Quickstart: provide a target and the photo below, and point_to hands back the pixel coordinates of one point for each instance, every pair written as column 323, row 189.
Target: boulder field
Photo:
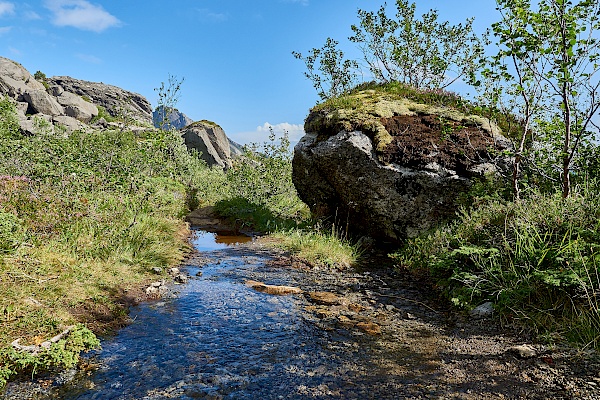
column 389, row 168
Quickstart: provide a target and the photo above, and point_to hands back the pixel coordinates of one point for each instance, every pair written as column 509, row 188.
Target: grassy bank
column 537, row 259
column 86, row 220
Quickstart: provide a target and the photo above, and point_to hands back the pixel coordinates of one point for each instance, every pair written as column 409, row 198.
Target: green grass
column 537, row 259
column 83, row 218
column 318, row 247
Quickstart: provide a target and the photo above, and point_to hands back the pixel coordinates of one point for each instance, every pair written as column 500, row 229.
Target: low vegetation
column 526, row 242
column 86, row 220
column 83, row 219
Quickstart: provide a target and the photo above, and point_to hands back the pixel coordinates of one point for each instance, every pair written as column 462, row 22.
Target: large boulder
column 76, row 107
column 116, row 101
column 40, row 102
column 16, row 80
column 210, row 141
column 391, row 168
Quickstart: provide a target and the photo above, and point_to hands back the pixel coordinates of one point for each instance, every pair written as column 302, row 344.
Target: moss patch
column 370, row 111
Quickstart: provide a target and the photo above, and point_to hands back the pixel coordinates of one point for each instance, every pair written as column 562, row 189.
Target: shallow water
column 217, row 338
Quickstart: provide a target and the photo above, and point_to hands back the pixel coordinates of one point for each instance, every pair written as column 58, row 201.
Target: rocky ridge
column 62, row 105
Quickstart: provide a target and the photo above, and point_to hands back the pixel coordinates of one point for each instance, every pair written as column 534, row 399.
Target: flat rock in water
column 325, row 298
column 273, row 289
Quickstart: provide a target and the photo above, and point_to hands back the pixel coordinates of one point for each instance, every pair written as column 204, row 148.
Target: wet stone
column 325, row 298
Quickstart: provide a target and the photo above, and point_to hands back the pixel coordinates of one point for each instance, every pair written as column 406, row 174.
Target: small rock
column 354, row 307
column 174, row 271
column 199, row 273
column 410, row 316
column 273, row 289
column 181, row 278
column 369, row 327
column 484, row 310
column 345, row 321
column 523, row 351
column 390, row 307
column 157, row 270
column 152, row 291
column 324, row 313
column 157, row 284
column 325, row 298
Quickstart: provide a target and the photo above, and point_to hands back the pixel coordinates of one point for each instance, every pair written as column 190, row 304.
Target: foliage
column 319, row 246
column 423, row 53
column 83, row 217
column 261, row 182
column 537, row 258
column 11, row 231
column 64, row 353
column 39, row 76
column 334, row 75
column 547, row 67
column 9, row 124
column 168, row 96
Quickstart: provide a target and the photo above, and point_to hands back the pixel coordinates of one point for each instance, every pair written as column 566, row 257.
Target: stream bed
column 370, row 337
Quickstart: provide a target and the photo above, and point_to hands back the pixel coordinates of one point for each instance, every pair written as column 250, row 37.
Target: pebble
column 523, row 351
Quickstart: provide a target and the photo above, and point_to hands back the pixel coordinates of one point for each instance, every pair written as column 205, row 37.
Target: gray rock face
column 167, row 120
column 210, row 140
column 114, row 99
column 16, row 80
column 75, row 107
column 342, row 176
column 41, row 102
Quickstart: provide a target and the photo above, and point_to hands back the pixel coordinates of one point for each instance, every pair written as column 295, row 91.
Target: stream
column 214, row 337
column 373, row 336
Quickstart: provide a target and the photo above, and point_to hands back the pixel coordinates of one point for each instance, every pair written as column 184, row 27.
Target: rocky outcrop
column 392, row 168
column 41, row 102
column 15, row 80
column 210, row 141
column 68, row 103
column 76, row 107
column 62, row 104
column 173, row 119
column 114, row 100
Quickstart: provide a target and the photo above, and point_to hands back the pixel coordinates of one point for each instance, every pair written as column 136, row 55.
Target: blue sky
column 235, row 55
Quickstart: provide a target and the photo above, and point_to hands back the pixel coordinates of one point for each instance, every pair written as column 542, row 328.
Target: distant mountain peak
column 167, row 118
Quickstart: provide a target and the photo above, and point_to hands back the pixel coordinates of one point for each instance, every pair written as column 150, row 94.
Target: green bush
column 537, row 259
column 9, row 125
column 260, row 188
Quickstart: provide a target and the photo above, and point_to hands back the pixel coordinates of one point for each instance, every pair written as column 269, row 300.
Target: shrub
column 537, row 259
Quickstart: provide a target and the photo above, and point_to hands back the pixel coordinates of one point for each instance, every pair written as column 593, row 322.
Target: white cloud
column 32, row 16
column 207, row 15
column 81, row 14
column 5, row 29
column 15, row 51
column 88, row 58
column 262, row 132
column 6, row 8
